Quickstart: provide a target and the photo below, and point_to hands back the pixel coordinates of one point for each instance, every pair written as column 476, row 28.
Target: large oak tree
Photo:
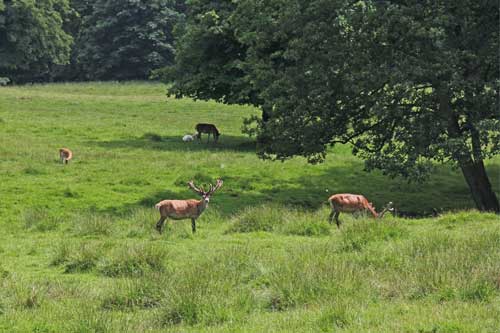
column 407, row 83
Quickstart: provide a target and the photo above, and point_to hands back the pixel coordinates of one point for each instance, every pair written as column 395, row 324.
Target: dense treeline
column 51, row 40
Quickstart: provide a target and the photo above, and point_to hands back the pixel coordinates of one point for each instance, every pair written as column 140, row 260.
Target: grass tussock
column 22, row 294
column 358, row 234
column 135, row 260
column 273, row 218
column 93, row 224
column 77, row 258
column 40, row 219
column 129, row 294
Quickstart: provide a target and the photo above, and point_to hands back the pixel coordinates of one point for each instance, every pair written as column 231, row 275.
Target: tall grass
column 79, row 252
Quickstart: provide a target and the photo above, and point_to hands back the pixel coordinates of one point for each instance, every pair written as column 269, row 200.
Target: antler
column 200, row 190
column 217, row 186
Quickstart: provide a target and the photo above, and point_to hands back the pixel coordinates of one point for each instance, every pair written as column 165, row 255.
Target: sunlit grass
column 79, row 253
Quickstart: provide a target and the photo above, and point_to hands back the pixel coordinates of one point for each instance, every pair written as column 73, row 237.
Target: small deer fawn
column 186, row 209
column 65, row 154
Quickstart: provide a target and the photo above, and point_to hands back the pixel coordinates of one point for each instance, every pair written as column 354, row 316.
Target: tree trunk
column 480, row 186
column 266, row 114
column 472, row 169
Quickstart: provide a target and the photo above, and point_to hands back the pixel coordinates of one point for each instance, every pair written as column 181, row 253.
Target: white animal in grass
column 188, row 138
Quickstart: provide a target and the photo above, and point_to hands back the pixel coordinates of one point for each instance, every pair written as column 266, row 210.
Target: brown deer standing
column 351, row 203
column 186, row 209
column 65, row 154
column 209, row 129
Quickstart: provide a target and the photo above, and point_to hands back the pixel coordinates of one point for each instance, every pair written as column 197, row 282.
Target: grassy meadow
column 79, row 252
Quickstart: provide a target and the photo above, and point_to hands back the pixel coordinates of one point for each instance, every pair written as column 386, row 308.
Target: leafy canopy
column 366, row 73
column 406, row 83
column 127, row 39
column 32, row 38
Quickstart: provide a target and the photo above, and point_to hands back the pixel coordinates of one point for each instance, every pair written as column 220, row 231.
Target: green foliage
column 32, row 38
column 208, row 62
column 123, row 40
column 406, row 84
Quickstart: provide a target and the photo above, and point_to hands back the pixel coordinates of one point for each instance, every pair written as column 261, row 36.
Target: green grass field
column 79, row 253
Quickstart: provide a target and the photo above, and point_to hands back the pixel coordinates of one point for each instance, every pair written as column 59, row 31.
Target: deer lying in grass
column 65, row 154
column 186, row 209
column 209, row 129
column 351, row 203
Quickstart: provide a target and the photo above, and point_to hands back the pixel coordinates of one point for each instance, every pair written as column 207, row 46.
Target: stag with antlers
column 352, row 203
column 186, row 209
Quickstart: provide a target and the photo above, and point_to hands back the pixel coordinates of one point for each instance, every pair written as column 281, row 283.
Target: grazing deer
column 186, row 209
column 209, row 129
column 351, row 203
column 65, row 154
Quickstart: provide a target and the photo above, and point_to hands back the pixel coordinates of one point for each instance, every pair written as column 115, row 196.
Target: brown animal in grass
column 352, row 203
column 186, row 209
column 65, row 154
column 208, row 129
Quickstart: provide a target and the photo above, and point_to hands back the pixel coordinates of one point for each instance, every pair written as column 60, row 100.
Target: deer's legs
column 193, row 225
column 337, row 219
column 159, row 224
column 330, row 217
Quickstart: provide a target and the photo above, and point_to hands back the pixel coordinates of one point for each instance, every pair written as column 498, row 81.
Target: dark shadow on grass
column 153, row 141
column 445, row 191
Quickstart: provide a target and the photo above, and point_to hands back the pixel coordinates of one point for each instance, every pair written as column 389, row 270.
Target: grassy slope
column 78, row 253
